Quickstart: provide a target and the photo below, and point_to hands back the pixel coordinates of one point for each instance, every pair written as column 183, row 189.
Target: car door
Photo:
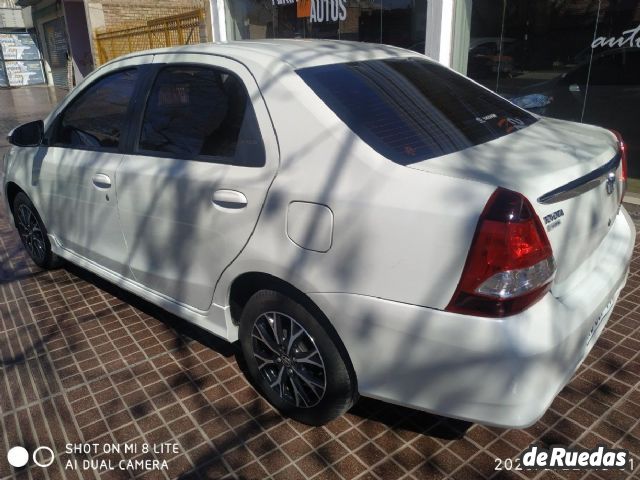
column 191, row 189
column 78, row 171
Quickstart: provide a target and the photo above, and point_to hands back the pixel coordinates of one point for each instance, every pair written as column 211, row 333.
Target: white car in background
column 364, row 220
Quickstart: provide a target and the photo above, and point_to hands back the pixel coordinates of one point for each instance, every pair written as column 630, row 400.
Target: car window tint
column 412, row 109
column 96, row 118
column 201, row 113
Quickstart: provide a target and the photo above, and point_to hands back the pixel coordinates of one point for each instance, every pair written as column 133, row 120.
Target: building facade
column 20, row 58
column 66, row 29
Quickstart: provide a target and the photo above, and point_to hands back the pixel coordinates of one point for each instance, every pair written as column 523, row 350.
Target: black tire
column 340, row 389
column 33, row 233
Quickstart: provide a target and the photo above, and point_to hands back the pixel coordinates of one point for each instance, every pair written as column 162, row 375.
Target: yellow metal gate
column 183, row 29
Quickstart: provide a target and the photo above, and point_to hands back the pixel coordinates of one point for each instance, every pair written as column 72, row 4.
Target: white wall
column 440, row 15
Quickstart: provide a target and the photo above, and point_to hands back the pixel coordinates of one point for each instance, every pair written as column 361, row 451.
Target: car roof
column 297, row 53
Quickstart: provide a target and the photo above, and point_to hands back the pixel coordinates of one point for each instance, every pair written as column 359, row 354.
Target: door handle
column 229, row 200
column 101, row 181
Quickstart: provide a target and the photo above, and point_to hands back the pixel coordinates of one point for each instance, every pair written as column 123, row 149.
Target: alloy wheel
column 31, row 233
column 288, row 359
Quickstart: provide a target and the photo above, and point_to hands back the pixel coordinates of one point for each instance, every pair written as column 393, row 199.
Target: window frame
column 149, row 83
column 54, row 129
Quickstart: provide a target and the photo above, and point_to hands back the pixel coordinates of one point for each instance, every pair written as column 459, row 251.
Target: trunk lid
column 550, row 156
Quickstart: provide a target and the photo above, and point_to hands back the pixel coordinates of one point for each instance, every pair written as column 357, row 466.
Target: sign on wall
column 21, row 62
column 18, row 46
column 318, row 11
column 24, row 73
column 3, row 77
column 629, row 38
column 11, row 18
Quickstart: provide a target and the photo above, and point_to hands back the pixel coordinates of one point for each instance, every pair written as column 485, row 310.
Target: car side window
column 605, row 70
column 577, row 76
column 631, row 66
column 201, row 113
column 485, row 49
column 97, row 117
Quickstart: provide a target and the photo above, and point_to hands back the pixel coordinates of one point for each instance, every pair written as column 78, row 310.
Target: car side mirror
column 27, row 135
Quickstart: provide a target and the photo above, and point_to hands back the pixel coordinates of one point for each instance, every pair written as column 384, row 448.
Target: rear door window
column 201, row 113
column 411, row 109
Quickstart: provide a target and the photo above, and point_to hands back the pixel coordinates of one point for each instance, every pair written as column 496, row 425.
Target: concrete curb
column 632, row 198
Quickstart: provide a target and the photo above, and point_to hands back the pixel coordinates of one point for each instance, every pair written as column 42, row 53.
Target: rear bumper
column 503, row 372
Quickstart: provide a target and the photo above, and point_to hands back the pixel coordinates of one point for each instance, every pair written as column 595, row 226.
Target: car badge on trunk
column 552, row 220
column 611, row 183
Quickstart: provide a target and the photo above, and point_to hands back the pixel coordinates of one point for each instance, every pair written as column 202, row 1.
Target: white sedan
column 362, row 219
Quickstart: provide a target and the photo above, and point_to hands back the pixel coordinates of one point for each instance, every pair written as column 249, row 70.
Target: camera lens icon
column 19, row 456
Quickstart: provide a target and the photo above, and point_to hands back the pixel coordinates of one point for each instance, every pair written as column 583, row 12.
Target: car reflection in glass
column 604, row 91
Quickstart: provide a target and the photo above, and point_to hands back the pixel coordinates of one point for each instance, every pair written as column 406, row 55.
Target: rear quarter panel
column 398, row 233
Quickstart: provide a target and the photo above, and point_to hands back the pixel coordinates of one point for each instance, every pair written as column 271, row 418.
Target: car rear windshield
column 411, row 109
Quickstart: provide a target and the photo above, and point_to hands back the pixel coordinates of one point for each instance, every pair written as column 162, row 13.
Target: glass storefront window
column 394, row 22
column 569, row 59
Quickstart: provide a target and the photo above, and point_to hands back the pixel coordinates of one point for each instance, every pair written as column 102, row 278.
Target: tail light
column 622, row 148
column 510, row 264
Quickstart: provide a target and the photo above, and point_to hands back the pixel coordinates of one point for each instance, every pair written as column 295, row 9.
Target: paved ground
column 84, row 362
